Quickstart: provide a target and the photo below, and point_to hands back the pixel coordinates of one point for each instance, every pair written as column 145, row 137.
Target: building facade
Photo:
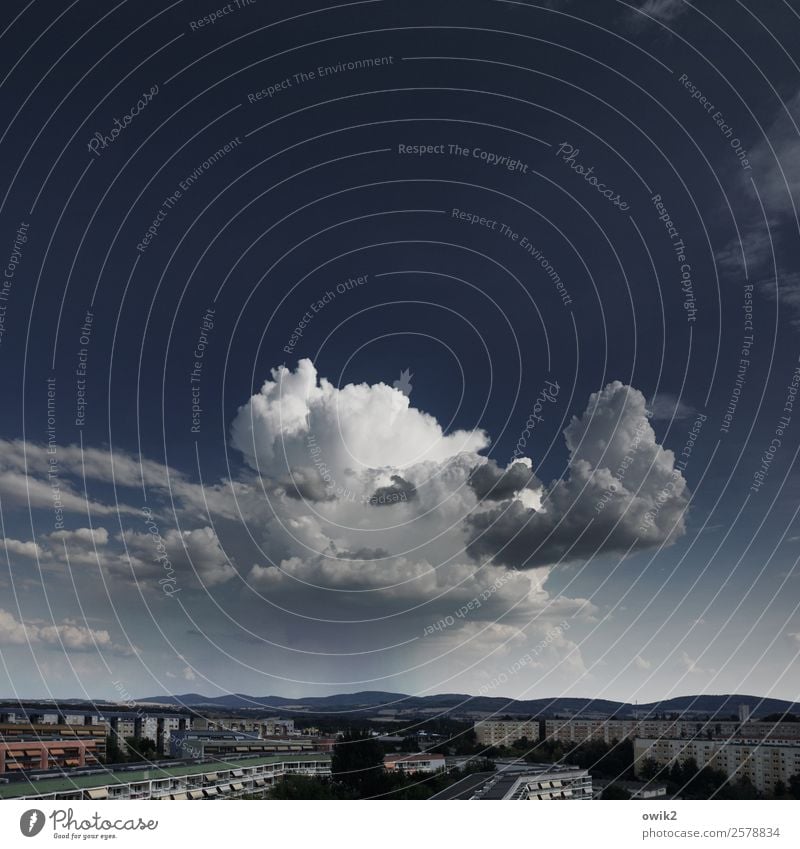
column 270, row 726
column 504, row 732
column 205, row 744
column 26, row 755
column 158, row 728
column 577, row 730
column 28, row 746
column 420, row 762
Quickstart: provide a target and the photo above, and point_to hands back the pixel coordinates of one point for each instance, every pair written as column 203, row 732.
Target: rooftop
column 496, row 785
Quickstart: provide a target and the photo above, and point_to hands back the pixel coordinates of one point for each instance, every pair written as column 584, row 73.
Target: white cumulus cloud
column 298, row 420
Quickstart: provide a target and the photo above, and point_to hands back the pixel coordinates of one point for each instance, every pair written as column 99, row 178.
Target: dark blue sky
column 685, row 113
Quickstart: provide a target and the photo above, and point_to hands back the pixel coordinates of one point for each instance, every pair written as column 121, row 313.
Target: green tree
column 701, row 783
column 605, row 760
column 357, row 763
column 114, row 754
column 780, row 791
column 477, row 765
column 307, row 787
column 465, row 741
column 615, row 791
column 743, row 788
column 141, row 749
column 649, row 769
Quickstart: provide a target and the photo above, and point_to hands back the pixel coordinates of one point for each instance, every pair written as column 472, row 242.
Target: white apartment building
column 123, row 727
column 764, row 762
column 576, row 730
column 504, row 732
column 270, row 726
column 583, row 730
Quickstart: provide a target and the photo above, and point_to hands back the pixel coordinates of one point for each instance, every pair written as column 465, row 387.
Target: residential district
column 144, row 751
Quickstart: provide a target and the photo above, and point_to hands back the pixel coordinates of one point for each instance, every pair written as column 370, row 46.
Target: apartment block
column 221, row 780
column 763, row 761
column 33, row 753
column 577, row 730
column 504, row 732
column 270, row 726
column 155, row 727
column 40, row 746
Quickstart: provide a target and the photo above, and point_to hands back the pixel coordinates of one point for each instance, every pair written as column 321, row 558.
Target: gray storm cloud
column 621, row 491
column 491, row 483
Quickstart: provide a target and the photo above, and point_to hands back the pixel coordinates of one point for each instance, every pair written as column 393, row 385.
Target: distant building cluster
column 61, row 754
column 215, row 744
column 762, row 752
column 40, row 739
column 119, row 726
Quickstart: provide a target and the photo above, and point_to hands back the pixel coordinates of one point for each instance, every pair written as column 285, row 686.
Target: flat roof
column 464, row 788
column 759, row 742
column 85, row 782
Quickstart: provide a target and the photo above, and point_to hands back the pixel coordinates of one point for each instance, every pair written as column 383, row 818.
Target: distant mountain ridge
column 372, row 700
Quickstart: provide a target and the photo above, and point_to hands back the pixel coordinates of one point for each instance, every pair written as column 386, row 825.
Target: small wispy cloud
column 663, row 11
column 665, row 407
column 691, row 665
column 787, row 294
